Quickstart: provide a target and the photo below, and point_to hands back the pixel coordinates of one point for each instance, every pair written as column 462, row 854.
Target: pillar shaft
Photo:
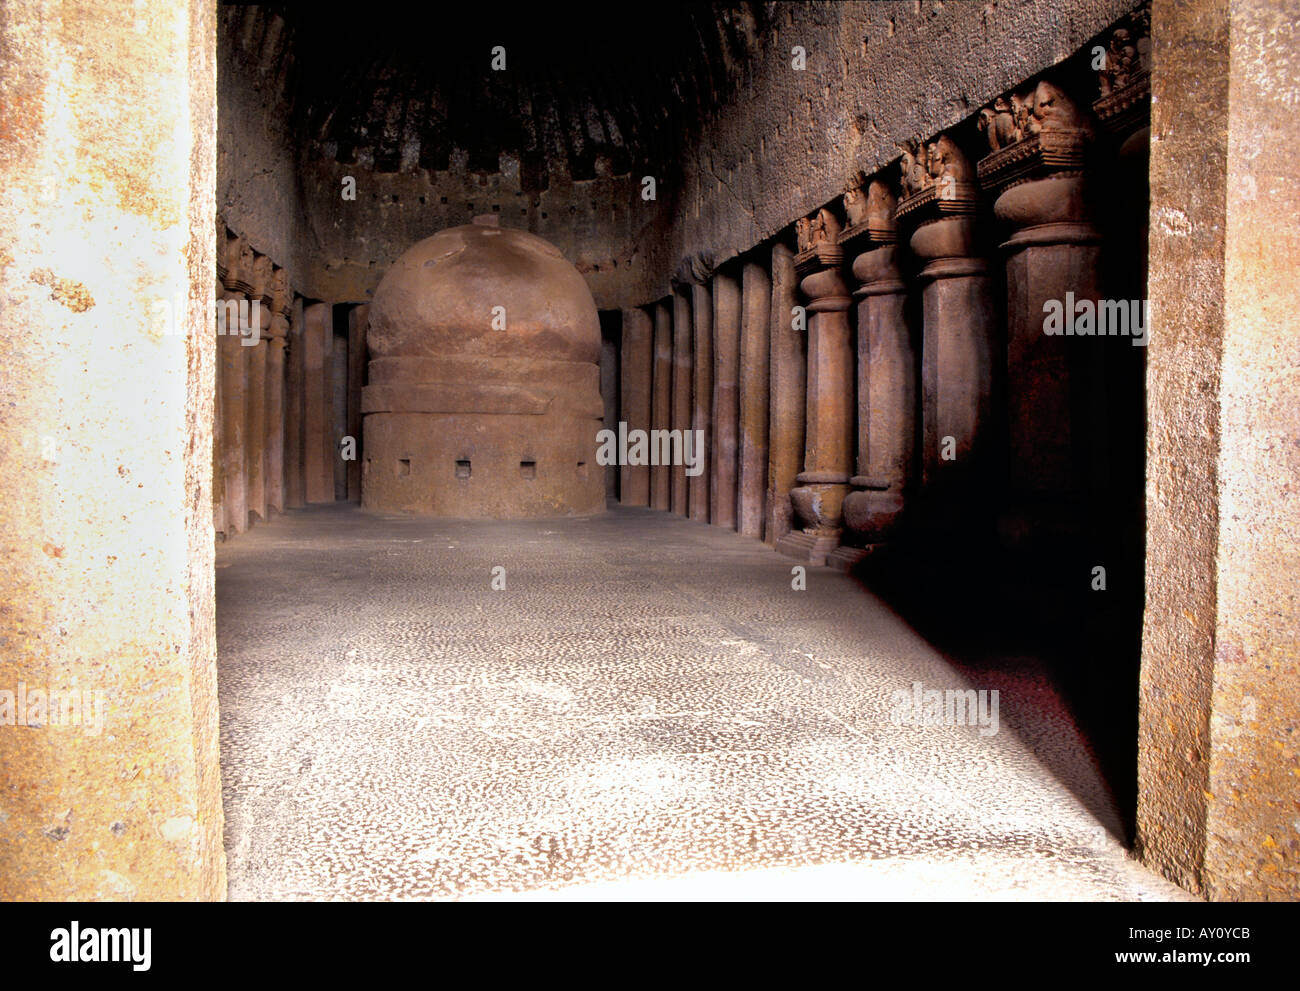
column 218, row 466
column 662, row 400
column 358, row 324
column 756, row 306
column 234, row 426
column 726, row 399
column 1220, row 679
column 106, row 499
column 255, row 431
column 957, row 359
column 1052, row 260
column 337, row 385
column 318, row 428
column 828, row 440
column 635, row 372
column 275, row 424
column 786, row 396
column 294, row 385
column 609, row 394
column 681, row 405
column 702, row 406
column 956, row 378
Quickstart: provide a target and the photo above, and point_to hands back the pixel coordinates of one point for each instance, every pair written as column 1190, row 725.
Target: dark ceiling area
column 592, row 89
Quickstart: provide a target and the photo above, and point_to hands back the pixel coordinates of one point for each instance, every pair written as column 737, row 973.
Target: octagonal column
column 751, row 478
column 661, row 403
column 294, row 386
column 939, row 203
column 318, row 430
column 358, row 324
column 786, row 396
column 886, row 376
column 818, row 500
column 726, row 399
column 277, row 334
column 681, row 404
column 218, row 466
column 702, row 405
column 233, row 360
column 255, row 444
column 1037, row 172
column 635, row 373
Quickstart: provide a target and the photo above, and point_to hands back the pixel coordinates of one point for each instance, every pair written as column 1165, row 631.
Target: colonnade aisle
column 648, row 708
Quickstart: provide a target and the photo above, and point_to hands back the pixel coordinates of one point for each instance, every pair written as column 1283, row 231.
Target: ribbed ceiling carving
column 612, row 92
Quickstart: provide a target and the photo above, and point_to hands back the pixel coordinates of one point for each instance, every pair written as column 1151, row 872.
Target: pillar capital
column 871, row 238
column 819, row 262
column 277, row 329
column 1040, row 143
column 239, row 265
column 281, row 294
column 261, row 279
column 1123, row 105
column 940, row 197
column 223, row 238
column 937, row 181
column 817, row 501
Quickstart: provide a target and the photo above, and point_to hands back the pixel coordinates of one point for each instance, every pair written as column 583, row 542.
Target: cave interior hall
column 753, row 449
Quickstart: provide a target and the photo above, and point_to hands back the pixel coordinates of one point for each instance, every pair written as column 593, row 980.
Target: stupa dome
column 442, row 294
column 483, row 393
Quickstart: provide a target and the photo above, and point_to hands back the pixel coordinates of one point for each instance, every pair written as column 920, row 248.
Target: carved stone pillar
column 702, row 406
column 255, row 445
column 751, row 482
column 1124, row 82
column 277, row 334
column 1124, row 110
column 635, row 382
column 662, row 402
column 358, row 359
column 234, row 384
column 957, row 373
column 828, row 444
column 786, row 396
column 218, row 465
column 294, row 385
column 681, row 405
column 318, row 427
column 726, row 399
column 886, row 376
column 337, row 386
column 1037, row 172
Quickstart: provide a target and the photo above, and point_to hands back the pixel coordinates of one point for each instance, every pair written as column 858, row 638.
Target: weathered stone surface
column 1217, row 748
column 106, row 453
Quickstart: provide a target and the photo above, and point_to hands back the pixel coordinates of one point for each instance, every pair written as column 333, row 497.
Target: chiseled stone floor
column 648, row 710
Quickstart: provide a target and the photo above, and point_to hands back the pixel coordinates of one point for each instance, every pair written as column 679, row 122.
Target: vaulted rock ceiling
column 592, row 91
